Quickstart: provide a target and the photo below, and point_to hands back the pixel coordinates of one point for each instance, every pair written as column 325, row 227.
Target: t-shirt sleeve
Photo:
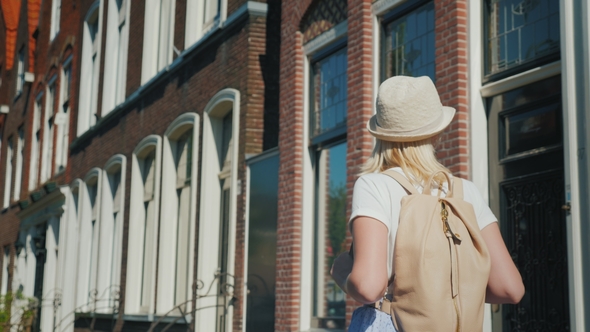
column 483, row 213
column 368, row 200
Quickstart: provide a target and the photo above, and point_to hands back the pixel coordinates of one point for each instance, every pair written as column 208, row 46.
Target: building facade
column 129, row 122
column 517, row 73
column 190, row 163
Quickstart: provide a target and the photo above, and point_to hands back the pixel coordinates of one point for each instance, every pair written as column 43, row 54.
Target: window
column 20, row 75
column 8, row 174
column 211, row 13
column 328, row 136
column 5, row 271
column 175, row 267
column 219, row 191
column 158, row 37
column 62, row 119
column 408, row 43
column 88, row 243
column 89, row 71
column 20, row 156
column 116, row 55
column 201, row 17
column 36, row 144
column 111, row 229
column 55, row 17
column 48, row 132
column 520, row 32
column 143, row 227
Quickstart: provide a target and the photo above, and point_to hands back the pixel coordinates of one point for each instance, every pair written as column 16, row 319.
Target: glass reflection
column 329, row 93
column 409, row 44
column 519, row 31
column 330, row 235
column 262, row 244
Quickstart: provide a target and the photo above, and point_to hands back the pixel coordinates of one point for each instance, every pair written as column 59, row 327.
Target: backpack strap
column 457, row 188
column 403, row 181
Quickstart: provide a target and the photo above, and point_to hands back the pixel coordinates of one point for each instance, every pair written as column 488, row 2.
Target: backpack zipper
column 452, row 237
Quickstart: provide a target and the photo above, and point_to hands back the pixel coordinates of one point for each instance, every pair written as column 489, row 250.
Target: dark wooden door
column 527, row 195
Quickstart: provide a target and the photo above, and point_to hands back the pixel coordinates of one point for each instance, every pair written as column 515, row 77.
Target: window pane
column 329, row 93
column 520, row 31
column 409, row 44
column 330, row 235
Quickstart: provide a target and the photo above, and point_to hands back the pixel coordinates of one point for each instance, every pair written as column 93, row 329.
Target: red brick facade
column 451, row 81
column 241, row 56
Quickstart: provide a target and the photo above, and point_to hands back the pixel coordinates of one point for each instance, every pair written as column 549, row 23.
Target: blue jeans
column 367, row 319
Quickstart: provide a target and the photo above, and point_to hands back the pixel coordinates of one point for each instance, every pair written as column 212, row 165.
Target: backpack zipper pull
column 446, row 227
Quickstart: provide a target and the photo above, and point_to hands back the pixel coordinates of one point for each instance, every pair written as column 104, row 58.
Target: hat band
column 418, row 131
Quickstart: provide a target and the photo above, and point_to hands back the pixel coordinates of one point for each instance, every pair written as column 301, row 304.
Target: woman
column 409, row 117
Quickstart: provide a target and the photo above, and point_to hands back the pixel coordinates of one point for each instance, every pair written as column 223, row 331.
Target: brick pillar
column 360, row 100
column 451, row 81
column 288, row 278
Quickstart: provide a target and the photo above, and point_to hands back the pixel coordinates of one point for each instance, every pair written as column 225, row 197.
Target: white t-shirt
column 379, row 196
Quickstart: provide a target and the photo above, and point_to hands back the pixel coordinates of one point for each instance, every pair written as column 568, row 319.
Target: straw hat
column 409, row 109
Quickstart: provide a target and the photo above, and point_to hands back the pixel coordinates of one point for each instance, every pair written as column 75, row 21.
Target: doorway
column 527, row 195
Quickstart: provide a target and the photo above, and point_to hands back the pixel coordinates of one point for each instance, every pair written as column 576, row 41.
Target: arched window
column 111, row 228
column 89, row 226
column 179, row 201
column 219, row 187
column 143, row 226
column 87, row 110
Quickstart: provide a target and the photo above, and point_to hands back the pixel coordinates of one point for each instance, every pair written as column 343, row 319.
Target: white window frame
column 48, row 130
column 91, row 50
column 168, row 255
column 135, row 268
column 5, row 266
column 20, row 156
column 194, row 30
column 227, row 100
column 36, row 142
column 158, row 43
column 55, row 18
column 8, row 171
column 20, row 74
column 88, row 241
column 116, row 55
column 62, row 117
column 110, row 239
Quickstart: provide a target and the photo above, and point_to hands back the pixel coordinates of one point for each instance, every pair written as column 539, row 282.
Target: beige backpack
column 441, row 263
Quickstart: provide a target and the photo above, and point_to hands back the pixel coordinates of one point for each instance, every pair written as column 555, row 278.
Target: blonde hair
column 417, row 159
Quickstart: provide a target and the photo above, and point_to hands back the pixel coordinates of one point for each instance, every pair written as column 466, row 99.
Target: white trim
column 70, row 242
column 381, row 6
column 8, row 171
column 573, row 89
column 478, row 125
column 20, row 156
column 154, row 48
column 88, row 91
column 110, row 249
column 88, row 238
column 115, row 72
column 227, row 100
column 167, row 256
column 522, row 79
column 55, row 18
column 137, row 228
column 326, row 38
column 307, row 212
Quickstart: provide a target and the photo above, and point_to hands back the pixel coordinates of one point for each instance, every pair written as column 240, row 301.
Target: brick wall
column 451, row 81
